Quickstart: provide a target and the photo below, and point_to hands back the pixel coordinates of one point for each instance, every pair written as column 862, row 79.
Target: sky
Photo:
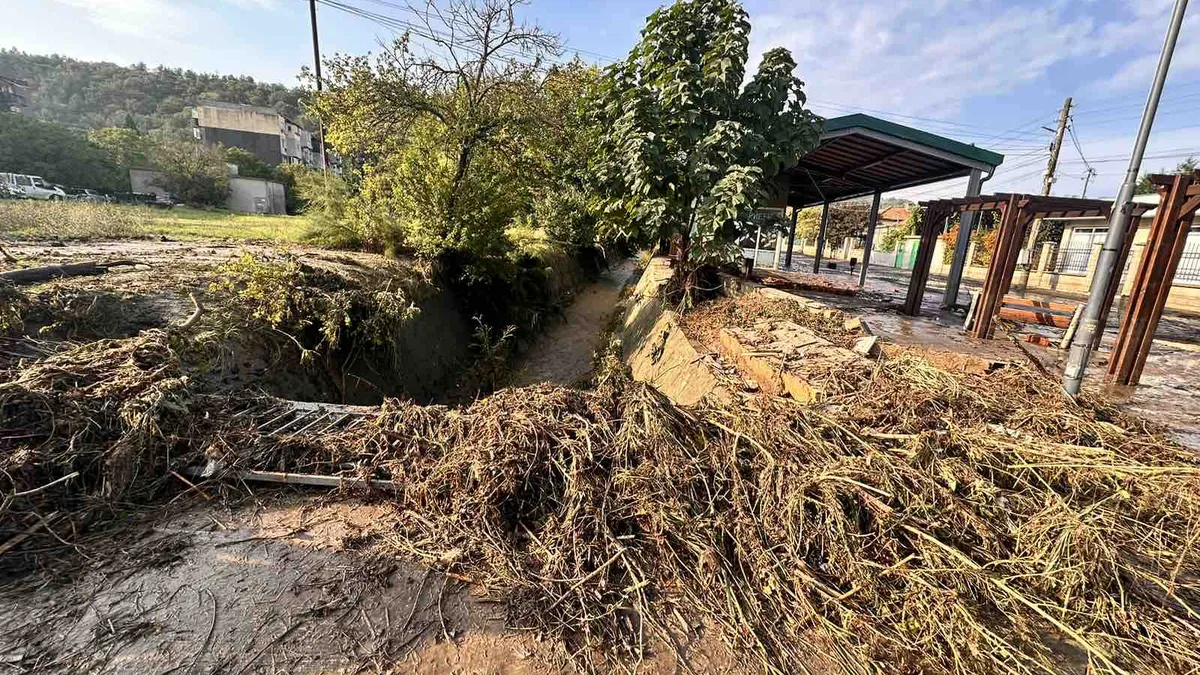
column 988, row 72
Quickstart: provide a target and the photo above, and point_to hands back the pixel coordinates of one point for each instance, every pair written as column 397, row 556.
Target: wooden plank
column 1183, row 226
column 1050, row 307
column 1040, row 318
column 994, row 285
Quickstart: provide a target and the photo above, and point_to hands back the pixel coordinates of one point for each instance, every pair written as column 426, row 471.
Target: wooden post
column 1156, row 273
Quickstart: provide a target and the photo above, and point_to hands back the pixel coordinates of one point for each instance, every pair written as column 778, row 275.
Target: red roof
column 898, row 213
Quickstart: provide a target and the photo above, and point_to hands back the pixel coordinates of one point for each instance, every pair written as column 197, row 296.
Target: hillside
column 98, row 94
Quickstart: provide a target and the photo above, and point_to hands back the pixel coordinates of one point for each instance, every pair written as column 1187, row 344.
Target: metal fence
column 1188, row 272
column 1071, row 261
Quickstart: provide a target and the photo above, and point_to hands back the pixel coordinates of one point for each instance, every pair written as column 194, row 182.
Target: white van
column 32, row 187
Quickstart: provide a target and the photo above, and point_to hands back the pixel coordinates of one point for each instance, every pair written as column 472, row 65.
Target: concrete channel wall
column 655, row 347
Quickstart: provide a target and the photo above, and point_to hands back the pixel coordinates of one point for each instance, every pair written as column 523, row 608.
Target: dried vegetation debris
column 932, row 522
column 704, row 323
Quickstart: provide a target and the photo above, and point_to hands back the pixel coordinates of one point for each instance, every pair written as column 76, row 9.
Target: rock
column 867, row 346
column 855, row 324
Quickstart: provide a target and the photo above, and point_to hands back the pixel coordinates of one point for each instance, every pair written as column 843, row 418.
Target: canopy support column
column 965, row 228
column 821, row 238
column 872, row 221
column 787, row 261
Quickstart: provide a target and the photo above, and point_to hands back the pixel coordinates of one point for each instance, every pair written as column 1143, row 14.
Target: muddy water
column 563, row 354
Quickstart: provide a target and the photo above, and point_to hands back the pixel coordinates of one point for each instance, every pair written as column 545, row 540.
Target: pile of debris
column 932, row 522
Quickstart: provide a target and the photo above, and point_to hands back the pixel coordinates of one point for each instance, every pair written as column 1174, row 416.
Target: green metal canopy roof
column 860, row 154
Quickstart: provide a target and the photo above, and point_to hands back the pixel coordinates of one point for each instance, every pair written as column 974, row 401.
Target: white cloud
column 139, row 18
column 929, row 57
column 913, row 56
column 160, row 20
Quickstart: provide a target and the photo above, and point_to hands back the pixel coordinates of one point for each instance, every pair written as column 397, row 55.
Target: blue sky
column 991, row 72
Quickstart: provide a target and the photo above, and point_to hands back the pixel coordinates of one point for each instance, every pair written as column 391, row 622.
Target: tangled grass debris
column 928, row 522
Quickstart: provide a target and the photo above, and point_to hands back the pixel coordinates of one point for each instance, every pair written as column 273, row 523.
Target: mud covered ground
column 276, row 585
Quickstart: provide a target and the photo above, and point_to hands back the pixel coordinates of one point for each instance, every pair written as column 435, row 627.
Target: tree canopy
column 449, row 136
column 97, row 94
column 686, row 146
column 1144, row 187
column 56, row 153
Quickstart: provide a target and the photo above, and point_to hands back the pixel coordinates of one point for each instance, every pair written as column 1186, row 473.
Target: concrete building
column 246, row 195
column 271, row 137
column 147, row 182
column 256, row 195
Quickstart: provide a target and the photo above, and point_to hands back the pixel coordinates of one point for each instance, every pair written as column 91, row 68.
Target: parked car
column 33, row 187
column 144, row 199
column 10, row 191
column 87, row 195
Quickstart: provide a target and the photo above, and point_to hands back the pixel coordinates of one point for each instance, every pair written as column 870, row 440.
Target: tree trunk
column 464, row 161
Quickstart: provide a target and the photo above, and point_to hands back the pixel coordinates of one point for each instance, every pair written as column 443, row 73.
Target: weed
column 321, row 312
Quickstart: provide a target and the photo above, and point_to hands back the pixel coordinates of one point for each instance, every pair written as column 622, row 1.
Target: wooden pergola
column 1016, row 213
column 1180, row 199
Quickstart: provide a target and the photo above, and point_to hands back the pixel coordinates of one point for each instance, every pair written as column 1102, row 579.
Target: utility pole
column 1064, row 118
column 1081, row 346
column 1087, row 178
column 312, row 13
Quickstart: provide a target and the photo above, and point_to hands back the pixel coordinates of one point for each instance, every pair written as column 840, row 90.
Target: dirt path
column 563, row 354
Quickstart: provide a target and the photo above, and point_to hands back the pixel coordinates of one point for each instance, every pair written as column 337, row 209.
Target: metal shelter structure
column 861, row 155
column 1016, row 213
column 1168, row 235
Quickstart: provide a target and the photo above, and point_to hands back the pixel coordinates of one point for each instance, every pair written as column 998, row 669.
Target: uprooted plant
column 317, row 310
column 931, row 522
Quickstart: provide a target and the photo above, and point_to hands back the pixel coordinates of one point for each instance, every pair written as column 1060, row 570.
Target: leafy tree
column 1144, row 187
column 438, row 130
column 846, row 219
column 193, row 173
column 56, row 153
column 685, row 148
column 248, row 164
column 125, row 147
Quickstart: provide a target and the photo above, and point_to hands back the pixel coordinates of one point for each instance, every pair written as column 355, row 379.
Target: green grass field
column 40, row 221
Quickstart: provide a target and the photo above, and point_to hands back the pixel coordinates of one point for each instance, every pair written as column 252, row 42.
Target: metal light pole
column 1081, row 346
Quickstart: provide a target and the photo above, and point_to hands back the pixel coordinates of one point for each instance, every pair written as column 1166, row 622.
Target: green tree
column 1145, row 187
column 56, row 153
column 193, row 173
column 94, row 94
column 846, row 219
column 248, row 164
column 685, row 148
column 439, row 131
column 125, row 147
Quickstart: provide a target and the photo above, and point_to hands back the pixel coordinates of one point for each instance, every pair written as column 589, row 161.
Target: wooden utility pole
column 1063, row 119
column 312, row 13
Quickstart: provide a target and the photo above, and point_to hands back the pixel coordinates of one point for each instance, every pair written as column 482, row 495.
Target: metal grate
column 1071, row 261
column 298, row 417
column 1188, row 272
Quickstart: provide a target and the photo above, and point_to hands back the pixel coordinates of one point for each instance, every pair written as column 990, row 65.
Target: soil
column 279, row 586
column 563, row 355
column 154, row 292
